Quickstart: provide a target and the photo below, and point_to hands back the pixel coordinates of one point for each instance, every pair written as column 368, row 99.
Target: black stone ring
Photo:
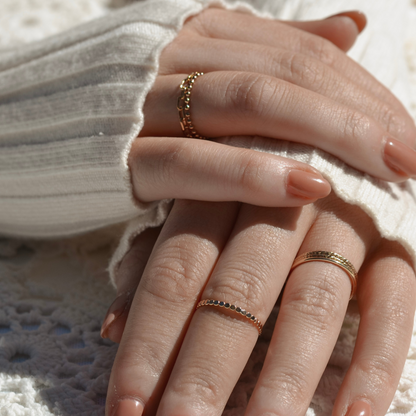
column 233, row 308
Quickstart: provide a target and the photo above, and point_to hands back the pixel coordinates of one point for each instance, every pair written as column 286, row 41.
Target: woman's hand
column 273, row 79
column 175, row 360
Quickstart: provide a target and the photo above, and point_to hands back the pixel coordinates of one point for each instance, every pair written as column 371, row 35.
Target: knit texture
column 53, row 296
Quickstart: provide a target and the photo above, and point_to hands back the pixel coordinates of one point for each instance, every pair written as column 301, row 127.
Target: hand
column 278, row 80
column 175, row 360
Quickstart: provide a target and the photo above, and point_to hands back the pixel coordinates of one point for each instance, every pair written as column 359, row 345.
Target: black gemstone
column 238, row 310
column 243, row 312
column 232, row 307
column 227, row 305
column 216, row 302
column 248, row 315
column 221, row 303
column 211, row 302
column 253, row 318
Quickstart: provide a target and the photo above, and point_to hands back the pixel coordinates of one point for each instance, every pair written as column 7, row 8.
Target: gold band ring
column 236, row 309
column 184, row 106
column 330, row 257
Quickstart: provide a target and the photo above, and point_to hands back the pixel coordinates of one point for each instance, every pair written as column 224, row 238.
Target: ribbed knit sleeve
column 70, row 107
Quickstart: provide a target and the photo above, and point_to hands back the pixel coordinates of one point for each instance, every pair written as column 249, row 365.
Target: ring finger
column 234, row 103
column 310, row 317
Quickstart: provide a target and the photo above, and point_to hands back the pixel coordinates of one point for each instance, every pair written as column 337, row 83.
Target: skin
column 242, row 251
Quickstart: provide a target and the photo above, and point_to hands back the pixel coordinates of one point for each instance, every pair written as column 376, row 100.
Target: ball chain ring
column 184, row 106
column 333, row 258
column 220, row 304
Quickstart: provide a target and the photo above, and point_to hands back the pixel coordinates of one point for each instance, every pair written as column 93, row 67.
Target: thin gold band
column 330, row 257
column 184, row 106
column 234, row 308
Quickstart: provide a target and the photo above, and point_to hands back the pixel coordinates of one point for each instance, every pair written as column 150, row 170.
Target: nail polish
column 307, row 184
column 119, row 305
column 128, row 407
column 356, row 16
column 400, row 158
column 359, row 409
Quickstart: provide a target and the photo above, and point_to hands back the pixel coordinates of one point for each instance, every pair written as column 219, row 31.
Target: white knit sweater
column 70, row 105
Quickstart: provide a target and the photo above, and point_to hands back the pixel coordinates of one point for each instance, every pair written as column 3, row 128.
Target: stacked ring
column 234, row 308
column 184, row 106
column 333, row 258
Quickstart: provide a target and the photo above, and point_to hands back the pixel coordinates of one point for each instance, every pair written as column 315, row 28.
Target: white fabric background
column 53, row 296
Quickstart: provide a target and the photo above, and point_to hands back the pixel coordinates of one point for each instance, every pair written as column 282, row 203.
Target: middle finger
column 249, row 274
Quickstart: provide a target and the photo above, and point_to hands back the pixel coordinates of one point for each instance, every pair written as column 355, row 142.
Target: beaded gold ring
column 333, row 258
column 184, row 106
column 220, row 304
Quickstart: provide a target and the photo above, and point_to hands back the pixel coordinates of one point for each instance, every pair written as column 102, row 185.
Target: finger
column 240, row 103
column 298, row 69
column 127, row 279
column 341, row 29
column 176, row 272
column 201, row 170
column 222, row 24
column 250, row 273
column 386, row 297
column 311, row 314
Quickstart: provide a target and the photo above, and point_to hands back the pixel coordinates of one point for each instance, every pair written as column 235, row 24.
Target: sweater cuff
column 70, row 107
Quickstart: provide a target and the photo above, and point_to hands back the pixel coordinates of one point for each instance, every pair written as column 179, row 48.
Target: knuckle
column 322, row 49
column 199, row 382
column 244, row 285
column 250, row 94
column 174, row 278
column 291, row 382
column 318, row 302
column 249, row 172
column 355, row 126
column 304, row 70
column 204, row 22
column 393, row 122
column 380, row 369
column 149, row 358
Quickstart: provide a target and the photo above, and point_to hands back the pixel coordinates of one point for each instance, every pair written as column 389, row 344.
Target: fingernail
column 359, row 409
column 307, row 184
column 128, row 407
column 114, row 311
column 400, row 158
column 356, row 16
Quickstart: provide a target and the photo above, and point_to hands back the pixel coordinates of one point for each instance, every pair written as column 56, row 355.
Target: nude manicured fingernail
column 358, row 17
column 307, row 184
column 400, row 158
column 128, row 407
column 359, row 409
column 114, row 311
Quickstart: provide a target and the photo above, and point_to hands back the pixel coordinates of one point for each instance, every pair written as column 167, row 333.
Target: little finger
column 127, row 279
column 386, row 297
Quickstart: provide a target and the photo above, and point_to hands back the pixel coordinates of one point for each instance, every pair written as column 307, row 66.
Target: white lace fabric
column 54, row 295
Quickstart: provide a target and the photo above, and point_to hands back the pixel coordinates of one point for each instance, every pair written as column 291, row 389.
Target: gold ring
column 330, row 257
column 236, row 309
column 184, row 106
